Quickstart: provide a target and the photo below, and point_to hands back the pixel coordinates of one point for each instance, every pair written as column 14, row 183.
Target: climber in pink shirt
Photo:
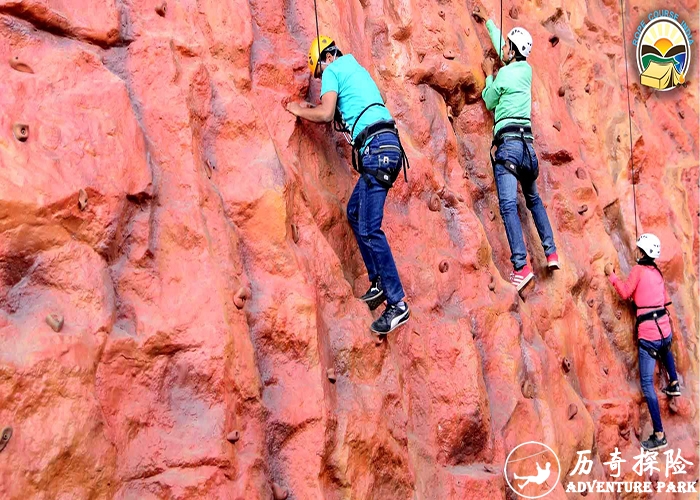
column 645, row 285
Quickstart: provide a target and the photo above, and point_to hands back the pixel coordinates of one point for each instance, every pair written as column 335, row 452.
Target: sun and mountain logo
column 663, row 50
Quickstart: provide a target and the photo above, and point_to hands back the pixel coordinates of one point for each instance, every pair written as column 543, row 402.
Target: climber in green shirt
column 509, row 96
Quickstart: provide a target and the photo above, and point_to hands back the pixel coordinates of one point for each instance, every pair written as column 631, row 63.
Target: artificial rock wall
column 206, row 274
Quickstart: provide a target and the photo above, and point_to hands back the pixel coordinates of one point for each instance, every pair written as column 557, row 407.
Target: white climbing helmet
column 521, row 39
column 650, row 244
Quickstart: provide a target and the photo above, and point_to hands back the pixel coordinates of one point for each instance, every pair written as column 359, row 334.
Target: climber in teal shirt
column 509, row 96
column 348, row 88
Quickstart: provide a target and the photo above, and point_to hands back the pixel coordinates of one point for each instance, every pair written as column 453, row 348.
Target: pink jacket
column 646, row 287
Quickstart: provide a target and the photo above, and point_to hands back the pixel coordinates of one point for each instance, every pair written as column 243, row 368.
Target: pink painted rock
column 210, row 278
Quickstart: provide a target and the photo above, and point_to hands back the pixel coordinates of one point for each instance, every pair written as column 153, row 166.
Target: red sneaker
column 553, row 261
column 521, row 278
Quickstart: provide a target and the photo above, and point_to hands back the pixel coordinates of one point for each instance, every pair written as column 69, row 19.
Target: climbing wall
column 177, row 277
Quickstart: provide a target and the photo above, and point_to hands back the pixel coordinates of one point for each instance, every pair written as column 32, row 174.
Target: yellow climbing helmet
column 317, row 46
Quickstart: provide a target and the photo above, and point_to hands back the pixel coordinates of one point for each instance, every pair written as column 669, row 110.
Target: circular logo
column 663, row 54
column 532, row 470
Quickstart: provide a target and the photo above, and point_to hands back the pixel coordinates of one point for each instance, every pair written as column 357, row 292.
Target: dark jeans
column 366, row 211
column 507, row 186
column 646, row 374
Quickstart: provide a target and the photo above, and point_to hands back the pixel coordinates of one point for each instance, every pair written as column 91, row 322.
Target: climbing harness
column 629, row 116
column 386, row 177
column 525, row 173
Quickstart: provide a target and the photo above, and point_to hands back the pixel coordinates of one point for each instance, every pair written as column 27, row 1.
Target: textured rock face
column 208, row 282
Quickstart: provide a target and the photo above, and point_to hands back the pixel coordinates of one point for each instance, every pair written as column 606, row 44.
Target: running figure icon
column 541, row 477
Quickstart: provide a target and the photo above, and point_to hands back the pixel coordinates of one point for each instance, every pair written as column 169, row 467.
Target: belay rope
column 318, row 39
column 629, row 117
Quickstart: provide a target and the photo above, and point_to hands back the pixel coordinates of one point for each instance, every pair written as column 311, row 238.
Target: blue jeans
column 646, row 374
column 366, row 211
column 507, row 187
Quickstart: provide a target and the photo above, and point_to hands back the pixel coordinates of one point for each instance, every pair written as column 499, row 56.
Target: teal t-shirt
column 509, row 94
column 356, row 90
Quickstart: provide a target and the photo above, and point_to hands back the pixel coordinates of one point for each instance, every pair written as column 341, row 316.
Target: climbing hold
column 562, row 91
column 557, row 125
column 330, row 373
column 554, row 40
column 241, row 296
column 208, row 168
column 233, row 436
column 582, row 209
column 514, row 12
column 449, row 54
column 587, row 88
column 444, row 266
column 573, row 410
column 295, row 233
column 18, row 65
column 584, row 493
column 605, row 369
column 488, row 468
column 21, row 131
column 5, row 437
column 278, row 492
column 422, row 98
column 527, row 389
column 162, row 9
column 434, row 203
column 594, row 128
column 591, row 302
column 625, row 434
column 618, row 139
column 566, row 365
column 55, row 321
column 673, row 405
column 492, row 284
column 618, row 314
column 638, row 432
column 580, row 173
column 441, row 13
column 82, row 199
column 681, row 114
column 492, row 215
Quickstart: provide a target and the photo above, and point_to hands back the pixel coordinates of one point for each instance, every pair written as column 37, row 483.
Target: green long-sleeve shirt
column 510, row 92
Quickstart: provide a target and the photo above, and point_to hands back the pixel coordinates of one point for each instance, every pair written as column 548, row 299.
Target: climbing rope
column 629, row 117
column 318, row 38
column 500, row 50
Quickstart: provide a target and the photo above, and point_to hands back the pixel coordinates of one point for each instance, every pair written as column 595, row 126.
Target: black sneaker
column 672, row 390
column 393, row 317
column 374, row 297
column 654, row 443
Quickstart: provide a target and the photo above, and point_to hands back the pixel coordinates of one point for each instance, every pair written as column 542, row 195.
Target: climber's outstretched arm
column 625, row 288
column 481, row 15
column 496, row 39
column 323, row 113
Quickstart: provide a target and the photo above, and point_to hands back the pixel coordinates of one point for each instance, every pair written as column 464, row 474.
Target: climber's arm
column 323, row 113
column 492, row 92
column 626, row 288
column 496, row 38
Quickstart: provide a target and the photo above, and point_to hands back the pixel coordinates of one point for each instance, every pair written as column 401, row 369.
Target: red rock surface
column 201, row 185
